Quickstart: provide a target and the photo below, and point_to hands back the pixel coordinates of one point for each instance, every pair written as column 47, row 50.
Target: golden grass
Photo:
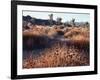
column 80, row 35
column 58, row 56
column 76, row 32
column 33, row 32
column 61, row 54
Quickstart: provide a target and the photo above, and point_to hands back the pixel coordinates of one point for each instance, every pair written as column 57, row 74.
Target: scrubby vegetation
column 54, row 43
column 55, row 46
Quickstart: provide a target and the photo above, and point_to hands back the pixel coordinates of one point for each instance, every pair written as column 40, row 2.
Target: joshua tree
column 73, row 22
column 51, row 19
column 87, row 24
column 59, row 20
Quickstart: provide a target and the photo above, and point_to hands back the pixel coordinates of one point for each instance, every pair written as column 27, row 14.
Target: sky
column 66, row 16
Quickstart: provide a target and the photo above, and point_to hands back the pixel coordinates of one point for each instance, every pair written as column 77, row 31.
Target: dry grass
column 34, row 32
column 58, row 56
column 80, row 36
column 71, row 52
column 77, row 33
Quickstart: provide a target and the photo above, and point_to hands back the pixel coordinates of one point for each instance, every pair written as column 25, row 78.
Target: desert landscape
column 53, row 43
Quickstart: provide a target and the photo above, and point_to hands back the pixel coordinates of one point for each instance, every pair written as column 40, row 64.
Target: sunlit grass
column 73, row 51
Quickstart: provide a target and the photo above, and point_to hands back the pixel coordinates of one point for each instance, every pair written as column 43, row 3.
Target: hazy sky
column 79, row 17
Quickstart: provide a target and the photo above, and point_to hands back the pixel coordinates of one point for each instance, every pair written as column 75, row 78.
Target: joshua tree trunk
column 51, row 19
column 73, row 22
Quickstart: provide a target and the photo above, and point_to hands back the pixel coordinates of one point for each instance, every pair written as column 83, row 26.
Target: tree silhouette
column 87, row 24
column 59, row 20
column 73, row 22
column 51, row 19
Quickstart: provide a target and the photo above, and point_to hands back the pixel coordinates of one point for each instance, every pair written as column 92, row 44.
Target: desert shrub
column 79, row 37
column 52, row 33
column 61, row 27
column 59, row 31
column 67, row 29
column 75, row 33
column 71, row 33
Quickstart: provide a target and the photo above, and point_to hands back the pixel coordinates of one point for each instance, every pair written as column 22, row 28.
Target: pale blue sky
column 79, row 17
